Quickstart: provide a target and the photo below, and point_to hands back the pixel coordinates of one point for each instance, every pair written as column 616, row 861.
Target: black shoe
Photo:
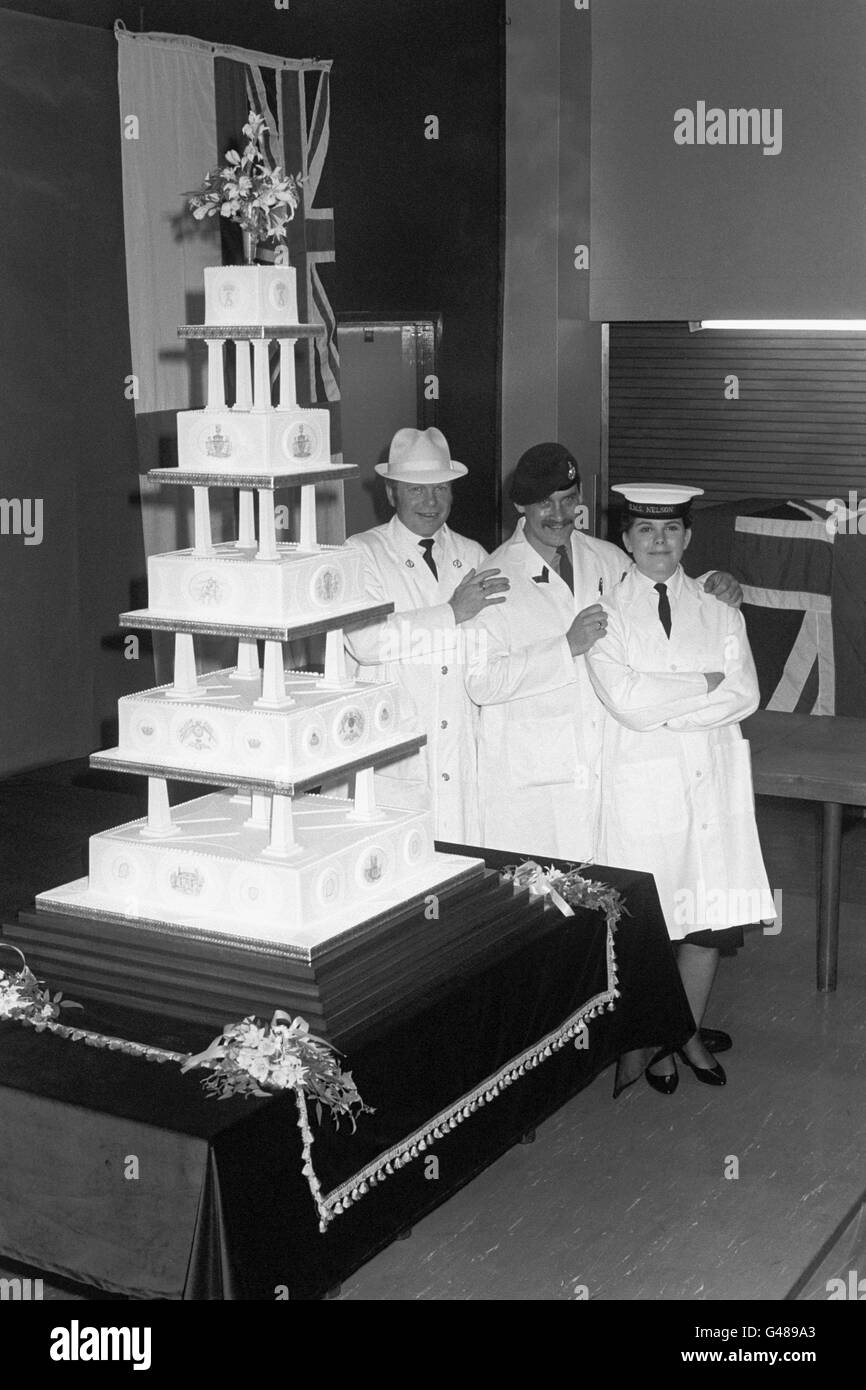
column 665, row 1085
column 714, row 1040
column 711, row 1076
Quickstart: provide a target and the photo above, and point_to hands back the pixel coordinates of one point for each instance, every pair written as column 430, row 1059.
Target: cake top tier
column 251, row 298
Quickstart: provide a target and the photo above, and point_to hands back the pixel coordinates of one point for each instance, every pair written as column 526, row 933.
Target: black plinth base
column 348, row 989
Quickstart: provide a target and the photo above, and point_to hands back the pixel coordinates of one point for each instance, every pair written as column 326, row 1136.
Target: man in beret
column 430, row 574
column 539, row 748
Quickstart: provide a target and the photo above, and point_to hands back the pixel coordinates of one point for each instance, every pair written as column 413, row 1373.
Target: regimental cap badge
column 541, row 471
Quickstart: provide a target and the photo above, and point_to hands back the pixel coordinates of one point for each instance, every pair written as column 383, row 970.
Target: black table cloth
column 121, row 1173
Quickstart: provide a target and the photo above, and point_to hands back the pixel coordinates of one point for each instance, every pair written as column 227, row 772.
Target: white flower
column 259, row 1069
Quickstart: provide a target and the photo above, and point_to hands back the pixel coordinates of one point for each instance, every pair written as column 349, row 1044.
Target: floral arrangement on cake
column 253, row 1058
column 248, row 191
column 568, row 889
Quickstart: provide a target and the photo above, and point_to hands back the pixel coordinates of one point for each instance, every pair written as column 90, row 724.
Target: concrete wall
column 551, row 359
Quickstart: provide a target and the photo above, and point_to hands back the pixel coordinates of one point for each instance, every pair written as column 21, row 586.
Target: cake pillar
column 260, row 812
column 282, row 841
column 246, row 520
column 185, row 674
column 307, row 539
column 365, row 796
column 288, row 396
column 159, row 824
column 247, row 668
column 273, row 694
column 243, row 376
column 216, row 386
column 336, row 676
column 203, row 543
column 267, row 525
column 261, row 375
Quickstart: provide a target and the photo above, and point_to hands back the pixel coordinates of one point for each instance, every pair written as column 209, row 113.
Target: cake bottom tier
column 214, row 875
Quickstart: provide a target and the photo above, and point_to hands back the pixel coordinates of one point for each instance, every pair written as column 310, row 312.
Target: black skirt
column 725, row 939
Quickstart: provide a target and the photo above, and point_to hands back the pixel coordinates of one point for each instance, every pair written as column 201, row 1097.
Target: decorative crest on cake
column 328, row 585
column 198, row 734
column 218, row 445
column 301, row 444
column 351, row 726
column 280, row 294
column 374, row 866
column 207, row 589
column 187, row 881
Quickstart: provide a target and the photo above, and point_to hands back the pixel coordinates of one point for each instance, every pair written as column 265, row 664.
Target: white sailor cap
column 657, row 499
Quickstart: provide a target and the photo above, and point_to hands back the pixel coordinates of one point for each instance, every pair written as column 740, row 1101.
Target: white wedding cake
column 273, row 855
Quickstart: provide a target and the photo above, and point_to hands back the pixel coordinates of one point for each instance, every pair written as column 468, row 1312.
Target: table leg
column 828, row 895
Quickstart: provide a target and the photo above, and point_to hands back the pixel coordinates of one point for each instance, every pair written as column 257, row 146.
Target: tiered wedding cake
column 266, row 858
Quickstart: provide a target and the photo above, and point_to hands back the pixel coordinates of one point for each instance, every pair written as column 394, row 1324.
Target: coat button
column 446, row 777
column 699, row 773
column 445, row 670
column 443, row 724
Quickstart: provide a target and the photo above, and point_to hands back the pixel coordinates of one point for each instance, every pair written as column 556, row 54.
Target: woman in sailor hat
column 675, row 671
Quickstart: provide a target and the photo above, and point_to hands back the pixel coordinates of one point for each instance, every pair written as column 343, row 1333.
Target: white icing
column 250, row 294
column 235, row 585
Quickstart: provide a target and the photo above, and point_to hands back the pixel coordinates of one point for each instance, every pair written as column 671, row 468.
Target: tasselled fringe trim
column 341, row 1199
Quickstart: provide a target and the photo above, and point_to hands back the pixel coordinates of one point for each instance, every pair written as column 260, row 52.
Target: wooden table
column 814, row 758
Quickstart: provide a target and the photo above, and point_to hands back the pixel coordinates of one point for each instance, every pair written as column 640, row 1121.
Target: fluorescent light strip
column 790, row 325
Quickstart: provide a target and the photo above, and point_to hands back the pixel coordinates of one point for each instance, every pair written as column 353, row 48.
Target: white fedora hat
column 420, row 456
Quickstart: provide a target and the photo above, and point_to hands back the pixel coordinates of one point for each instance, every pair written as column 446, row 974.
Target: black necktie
column 565, row 570
column 427, row 547
column 664, row 608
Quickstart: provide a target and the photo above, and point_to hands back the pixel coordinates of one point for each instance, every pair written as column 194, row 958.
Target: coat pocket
column 542, row 752
column 648, row 799
column 733, row 769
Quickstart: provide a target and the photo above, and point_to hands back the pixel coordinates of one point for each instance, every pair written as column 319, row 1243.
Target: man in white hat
column 431, row 575
column 540, row 731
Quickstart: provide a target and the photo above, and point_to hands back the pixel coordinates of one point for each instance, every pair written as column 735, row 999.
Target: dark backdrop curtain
column 67, row 434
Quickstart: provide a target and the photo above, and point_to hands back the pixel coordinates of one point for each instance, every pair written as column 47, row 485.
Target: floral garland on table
column 252, row 1058
column 568, row 889
column 23, row 1000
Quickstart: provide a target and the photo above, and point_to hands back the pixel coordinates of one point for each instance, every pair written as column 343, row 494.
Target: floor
column 735, row 1193
column 754, row 1191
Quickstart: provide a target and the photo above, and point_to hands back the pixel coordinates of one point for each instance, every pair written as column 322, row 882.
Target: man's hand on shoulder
column 724, row 587
column 477, row 591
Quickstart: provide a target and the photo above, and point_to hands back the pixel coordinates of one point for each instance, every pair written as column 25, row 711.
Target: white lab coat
column 422, row 648
column 539, row 746
column 677, row 797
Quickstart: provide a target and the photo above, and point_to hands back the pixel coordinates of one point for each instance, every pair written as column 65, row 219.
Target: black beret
column 543, row 469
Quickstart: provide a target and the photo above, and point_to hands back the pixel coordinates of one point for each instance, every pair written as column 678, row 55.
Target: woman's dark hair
column 626, row 520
